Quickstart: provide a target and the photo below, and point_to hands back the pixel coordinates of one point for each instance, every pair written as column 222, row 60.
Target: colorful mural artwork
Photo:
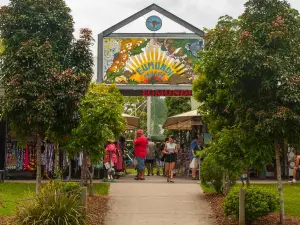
column 150, row 60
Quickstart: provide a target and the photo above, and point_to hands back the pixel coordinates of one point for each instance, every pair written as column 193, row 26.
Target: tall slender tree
column 100, row 120
column 250, row 76
column 45, row 73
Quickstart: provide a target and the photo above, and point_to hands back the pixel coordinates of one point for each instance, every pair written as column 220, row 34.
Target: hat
column 140, row 132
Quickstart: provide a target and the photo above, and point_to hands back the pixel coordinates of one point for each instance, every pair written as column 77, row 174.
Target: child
column 244, row 177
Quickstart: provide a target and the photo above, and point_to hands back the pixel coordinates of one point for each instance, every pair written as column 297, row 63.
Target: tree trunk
column 91, row 176
column 279, row 181
column 38, row 164
column 83, row 169
column 248, row 177
column 226, row 182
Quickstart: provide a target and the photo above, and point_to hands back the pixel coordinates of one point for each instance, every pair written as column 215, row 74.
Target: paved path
column 157, row 203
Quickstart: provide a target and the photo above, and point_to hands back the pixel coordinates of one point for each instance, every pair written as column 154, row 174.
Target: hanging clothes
column 11, row 159
column 26, row 159
column 44, row 156
column 50, row 152
column 20, row 158
column 80, row 159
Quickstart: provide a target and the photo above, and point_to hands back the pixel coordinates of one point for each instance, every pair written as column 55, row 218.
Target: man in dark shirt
column 194, row 148
column 140, row 152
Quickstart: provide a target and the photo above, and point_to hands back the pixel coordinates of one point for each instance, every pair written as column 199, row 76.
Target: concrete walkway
column 157, row 203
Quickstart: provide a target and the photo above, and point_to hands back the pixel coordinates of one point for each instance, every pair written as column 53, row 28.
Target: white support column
column 149, row 117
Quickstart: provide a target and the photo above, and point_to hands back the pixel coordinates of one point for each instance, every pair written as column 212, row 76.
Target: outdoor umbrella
column 183, row 121
column 132, row 122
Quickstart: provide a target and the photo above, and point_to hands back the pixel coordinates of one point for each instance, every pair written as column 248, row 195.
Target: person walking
column 150, row 157
column 194, row 148
column 296, row 168
column 170, row 158
column 140, row 153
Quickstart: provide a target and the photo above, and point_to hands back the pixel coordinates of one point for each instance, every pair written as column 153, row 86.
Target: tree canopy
column 249, row 78
column 177, row 105
column 45, row 71
column 100, row 120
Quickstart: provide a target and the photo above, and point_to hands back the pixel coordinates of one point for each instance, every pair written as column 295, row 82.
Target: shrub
column 258, row 203
column 52, row 206
column 212, row 174
column 68, row 187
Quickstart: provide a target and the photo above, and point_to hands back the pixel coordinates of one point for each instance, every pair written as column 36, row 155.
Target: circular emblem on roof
column 154, row 23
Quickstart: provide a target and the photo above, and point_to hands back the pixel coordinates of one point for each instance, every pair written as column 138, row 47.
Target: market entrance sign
column 150, row 60
column 164, row 60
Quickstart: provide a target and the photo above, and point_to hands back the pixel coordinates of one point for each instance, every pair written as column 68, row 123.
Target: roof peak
column 157, row 8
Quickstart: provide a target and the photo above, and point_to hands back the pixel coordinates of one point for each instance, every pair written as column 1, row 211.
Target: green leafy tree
column 45, row 73
column 1, row 47
column 136, row 106
column 177, row 105
column 250, row 77
column 100, row 120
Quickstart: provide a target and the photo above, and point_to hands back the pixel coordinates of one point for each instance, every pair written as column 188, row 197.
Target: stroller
column 128, row 158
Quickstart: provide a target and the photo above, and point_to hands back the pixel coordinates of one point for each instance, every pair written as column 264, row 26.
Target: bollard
column 84, row 199
column 242, row 207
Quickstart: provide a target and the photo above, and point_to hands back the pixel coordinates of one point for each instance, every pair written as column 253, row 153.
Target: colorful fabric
column 20, row 158
column 25, row 159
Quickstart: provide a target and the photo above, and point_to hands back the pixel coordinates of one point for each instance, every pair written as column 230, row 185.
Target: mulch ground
column 97, row 209
column 215, row 202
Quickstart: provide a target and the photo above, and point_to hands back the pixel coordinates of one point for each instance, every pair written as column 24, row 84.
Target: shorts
column 150, row 161
column 170, row 158
column 194, row 163
column 140, row 163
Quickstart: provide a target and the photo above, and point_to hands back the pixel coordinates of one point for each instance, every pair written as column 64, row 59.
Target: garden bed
column 216, row 200
column 97, row 209
column 97, row 204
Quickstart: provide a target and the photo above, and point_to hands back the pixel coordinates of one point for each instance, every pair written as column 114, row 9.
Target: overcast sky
column 98, row 15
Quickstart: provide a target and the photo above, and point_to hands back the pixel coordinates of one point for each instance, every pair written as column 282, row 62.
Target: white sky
column 98, row 15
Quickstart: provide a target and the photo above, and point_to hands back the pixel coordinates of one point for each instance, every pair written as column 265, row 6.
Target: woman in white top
column 170, row 158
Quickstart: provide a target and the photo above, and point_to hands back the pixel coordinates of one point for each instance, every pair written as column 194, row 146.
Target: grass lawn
column 133, row 171
column 10, row 193
column 101, row 189
column 291, row 196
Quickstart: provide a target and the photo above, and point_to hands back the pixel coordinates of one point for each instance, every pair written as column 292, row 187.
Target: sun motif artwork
column 150, row 60
column 153, row 65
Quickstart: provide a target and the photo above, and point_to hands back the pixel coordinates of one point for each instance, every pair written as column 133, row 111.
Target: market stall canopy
column 183, row 121
column 132, row 122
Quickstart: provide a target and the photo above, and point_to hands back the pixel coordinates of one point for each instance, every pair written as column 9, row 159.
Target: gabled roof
column 148, row 9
